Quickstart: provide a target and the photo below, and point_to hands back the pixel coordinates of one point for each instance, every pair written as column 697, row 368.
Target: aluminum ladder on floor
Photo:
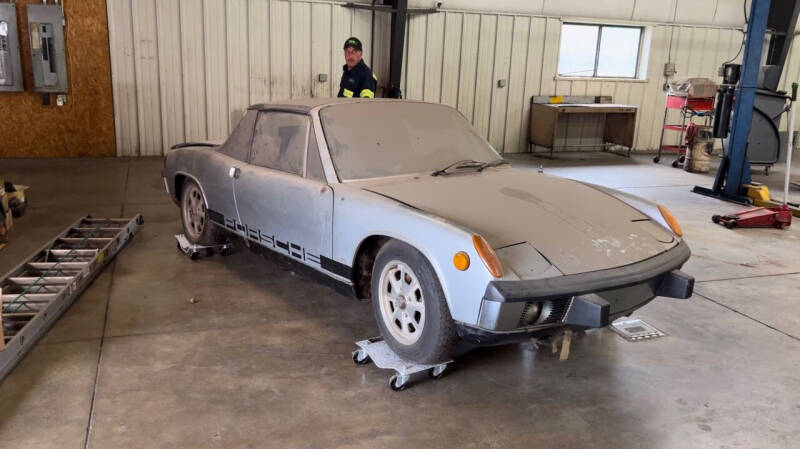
column 38, row 291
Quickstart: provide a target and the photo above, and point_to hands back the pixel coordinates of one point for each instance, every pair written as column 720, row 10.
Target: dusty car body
column 541, row 252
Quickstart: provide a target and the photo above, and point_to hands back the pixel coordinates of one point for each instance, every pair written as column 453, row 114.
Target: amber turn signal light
column 461, row 260
column 671, row 221
column 488, row 256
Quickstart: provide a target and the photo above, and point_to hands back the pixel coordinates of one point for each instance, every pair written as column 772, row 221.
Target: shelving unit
column 690, row 108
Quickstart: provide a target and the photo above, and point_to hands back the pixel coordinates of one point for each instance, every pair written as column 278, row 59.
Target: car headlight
column 526, row 262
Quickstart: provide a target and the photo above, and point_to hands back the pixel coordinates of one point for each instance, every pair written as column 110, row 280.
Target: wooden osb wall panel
column 85, row 125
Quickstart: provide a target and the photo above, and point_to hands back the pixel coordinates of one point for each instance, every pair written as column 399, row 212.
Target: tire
column 358, row 361
column 656, row 159
column 419, row 329
column 197, row 227
column 18, row 207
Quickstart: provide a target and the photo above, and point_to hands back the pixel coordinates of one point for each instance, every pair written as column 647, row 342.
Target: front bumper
column 581, row 301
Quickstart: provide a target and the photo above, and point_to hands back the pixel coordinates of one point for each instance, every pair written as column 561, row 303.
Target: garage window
column 599, row 51
column 280, row 141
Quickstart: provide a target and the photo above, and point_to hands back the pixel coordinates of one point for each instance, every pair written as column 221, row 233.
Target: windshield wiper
column 465, row 163
column 494, row 163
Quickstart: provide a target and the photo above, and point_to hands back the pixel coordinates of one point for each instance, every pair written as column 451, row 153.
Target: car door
column 218, row 170
column 282, row 205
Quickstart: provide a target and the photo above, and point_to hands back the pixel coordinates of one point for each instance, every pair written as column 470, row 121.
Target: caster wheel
column 730, row 224
column 18, row 208
column 178, row 245
column 432, row 374
column 194, row 256
column 393, row 384
column 656, row 159
column 140, row 220
column 682, row 159
column 359, row 361
column 225, row 252
column 715, row 218
column 675, row 164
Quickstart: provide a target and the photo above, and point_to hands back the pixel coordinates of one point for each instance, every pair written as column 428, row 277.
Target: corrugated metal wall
column 186, row 69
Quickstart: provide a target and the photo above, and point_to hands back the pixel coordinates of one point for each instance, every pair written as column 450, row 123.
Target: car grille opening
column 551, row 312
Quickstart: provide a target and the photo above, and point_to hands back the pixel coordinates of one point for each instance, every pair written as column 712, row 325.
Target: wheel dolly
column 194, row 250
column 377, row 351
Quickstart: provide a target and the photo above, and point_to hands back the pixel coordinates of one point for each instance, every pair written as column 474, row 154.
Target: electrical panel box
column 10, row 67
column 49, row 62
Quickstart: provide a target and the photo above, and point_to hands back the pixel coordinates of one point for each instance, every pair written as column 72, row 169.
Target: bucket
column 701, row 145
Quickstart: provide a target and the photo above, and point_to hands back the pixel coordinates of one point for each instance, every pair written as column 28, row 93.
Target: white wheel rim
column 401, row 302
column 194, row 212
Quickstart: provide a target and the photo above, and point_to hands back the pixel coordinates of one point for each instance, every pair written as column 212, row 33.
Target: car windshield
column 387, row 138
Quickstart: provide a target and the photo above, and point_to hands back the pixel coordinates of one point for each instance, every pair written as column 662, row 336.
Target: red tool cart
column 690, row 108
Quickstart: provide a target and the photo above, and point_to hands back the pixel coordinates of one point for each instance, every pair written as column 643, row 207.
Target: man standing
column 357, row 79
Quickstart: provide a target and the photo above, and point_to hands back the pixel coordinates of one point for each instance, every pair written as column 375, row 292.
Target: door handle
column 234, row 172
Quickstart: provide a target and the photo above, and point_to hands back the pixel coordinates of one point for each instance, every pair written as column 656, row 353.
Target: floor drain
column 636, row 330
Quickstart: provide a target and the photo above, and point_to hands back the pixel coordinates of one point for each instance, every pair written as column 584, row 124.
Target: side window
column 238, row 144
column 279, row 141
column 313, row 162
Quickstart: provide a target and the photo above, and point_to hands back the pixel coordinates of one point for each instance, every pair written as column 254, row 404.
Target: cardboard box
column 694, row 88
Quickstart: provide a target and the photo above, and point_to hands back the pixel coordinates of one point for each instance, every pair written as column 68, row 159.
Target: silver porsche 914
column 404, row 203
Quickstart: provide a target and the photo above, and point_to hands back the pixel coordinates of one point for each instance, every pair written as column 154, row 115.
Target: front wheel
column 409, row 305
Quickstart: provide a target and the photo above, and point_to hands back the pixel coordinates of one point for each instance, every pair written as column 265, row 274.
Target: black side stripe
column 334, row 267
column 216, row 217
column 252, row 233
column 292, row 249
column 266, row 238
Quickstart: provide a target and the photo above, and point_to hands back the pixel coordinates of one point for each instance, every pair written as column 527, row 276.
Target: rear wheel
column 410, row 306
column 194, row 215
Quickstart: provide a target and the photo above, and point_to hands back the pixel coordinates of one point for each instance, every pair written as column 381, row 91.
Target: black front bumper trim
column 597, row 281
column 676, row 284
column 589, row 310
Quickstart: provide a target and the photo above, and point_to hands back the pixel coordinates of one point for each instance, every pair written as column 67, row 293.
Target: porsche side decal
column 286, row 247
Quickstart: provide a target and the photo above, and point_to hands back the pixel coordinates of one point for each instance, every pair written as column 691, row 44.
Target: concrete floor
column 262, row 359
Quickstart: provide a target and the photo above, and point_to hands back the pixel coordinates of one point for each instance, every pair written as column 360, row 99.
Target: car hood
column 576, row 227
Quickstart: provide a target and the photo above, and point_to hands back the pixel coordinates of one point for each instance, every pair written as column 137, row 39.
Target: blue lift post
column 734, row 170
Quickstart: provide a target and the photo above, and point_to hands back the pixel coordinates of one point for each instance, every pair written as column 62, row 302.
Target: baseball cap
column 353, row 42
